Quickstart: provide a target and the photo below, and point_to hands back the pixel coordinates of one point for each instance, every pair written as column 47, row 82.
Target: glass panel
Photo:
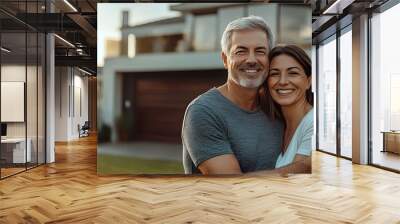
column 22, row 6
column 327, row 96
column 13, row 87
column 385, row 86
column 31, row 86
column 41, row 98
column 31, row 97
column 18, row 6
column 346, row 94
column 23, row 57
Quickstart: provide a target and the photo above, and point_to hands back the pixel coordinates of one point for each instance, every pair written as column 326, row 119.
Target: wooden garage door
column 160, row 101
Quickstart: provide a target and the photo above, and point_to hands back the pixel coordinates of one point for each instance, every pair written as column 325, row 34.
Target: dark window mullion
column 369, row 100
column 37, row 90
column 45, row 87
column 317, row 95
column 26, row 86
column 338, row 73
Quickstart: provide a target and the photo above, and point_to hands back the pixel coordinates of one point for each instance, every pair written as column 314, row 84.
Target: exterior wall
column 226, row 15
column 270, row 13
column 187, row 32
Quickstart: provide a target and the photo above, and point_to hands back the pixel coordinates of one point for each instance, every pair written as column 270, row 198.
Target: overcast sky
column 109, row 20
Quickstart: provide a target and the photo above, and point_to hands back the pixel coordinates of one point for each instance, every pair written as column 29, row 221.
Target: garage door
column 160, row 99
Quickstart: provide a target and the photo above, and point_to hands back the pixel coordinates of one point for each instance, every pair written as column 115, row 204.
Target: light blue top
column 301, row 141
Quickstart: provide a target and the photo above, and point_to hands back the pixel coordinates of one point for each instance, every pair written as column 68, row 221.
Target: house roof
column 184, row 7
column 164, row 21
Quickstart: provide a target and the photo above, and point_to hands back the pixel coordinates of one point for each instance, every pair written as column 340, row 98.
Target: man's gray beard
column 249, row 83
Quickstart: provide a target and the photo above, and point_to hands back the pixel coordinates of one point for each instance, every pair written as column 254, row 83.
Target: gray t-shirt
column 214, row 126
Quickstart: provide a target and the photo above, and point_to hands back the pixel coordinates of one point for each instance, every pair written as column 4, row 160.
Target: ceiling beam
column 84, row 24
column 81, row 61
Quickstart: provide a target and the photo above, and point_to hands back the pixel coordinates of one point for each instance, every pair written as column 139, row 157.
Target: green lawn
column 109, row 164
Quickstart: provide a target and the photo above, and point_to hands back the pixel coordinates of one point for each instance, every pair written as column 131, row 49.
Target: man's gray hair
column 244, row 23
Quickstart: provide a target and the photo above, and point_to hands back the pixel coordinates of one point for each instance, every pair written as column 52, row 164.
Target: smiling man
column 224, row 130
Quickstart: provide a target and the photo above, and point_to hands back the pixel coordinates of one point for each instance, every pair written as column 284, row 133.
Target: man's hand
column 224, row 164
column 300, row 164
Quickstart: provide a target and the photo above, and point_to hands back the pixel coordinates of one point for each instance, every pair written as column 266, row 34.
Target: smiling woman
column 288, row 91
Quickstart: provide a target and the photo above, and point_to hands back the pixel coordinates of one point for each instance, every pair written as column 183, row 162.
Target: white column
column 360, row 90
column 50, row 99
column 50, row 92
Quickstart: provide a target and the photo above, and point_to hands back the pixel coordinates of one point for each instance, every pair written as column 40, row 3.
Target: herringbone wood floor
column 69, row 191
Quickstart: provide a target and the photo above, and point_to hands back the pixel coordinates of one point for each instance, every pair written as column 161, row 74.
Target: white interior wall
column 80, row 88
column 85, row 99
column 61, row 103
column 14, row 73
column 70, row 84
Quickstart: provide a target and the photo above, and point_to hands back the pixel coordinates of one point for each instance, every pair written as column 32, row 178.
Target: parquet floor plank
column 70, row 191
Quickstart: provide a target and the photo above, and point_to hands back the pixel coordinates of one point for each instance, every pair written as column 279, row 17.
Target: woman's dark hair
column 272, row 109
